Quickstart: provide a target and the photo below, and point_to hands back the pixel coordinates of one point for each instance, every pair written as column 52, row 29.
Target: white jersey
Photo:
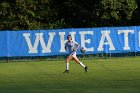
column 71, row 46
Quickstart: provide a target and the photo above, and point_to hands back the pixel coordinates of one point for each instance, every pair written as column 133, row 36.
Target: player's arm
column 66, row 48
column 77, row 46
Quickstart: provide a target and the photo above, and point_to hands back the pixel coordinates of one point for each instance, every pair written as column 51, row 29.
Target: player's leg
column 67, row 64
column 79, row 62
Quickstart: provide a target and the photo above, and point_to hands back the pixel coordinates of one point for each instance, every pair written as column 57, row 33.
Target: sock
column 82, row 64
column 67, row 66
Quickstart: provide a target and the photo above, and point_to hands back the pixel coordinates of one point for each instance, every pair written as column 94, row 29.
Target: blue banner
column 52, row 42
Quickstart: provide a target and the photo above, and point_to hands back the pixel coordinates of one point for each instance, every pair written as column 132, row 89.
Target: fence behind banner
column 106, row 41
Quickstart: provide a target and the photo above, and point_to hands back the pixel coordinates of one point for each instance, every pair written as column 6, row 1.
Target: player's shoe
column 66, row 71
column 86, row 68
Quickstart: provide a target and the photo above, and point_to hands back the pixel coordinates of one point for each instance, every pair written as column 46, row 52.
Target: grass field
column 115, row 75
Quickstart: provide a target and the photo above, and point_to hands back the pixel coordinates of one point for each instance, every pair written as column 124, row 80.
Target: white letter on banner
column 63, row 41
column 32, row 49
column 39, row 37
column 84, row 41
column 126, row 43
column 106, row 34
column 48, row 48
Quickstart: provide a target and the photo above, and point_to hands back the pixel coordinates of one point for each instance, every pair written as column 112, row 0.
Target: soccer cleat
column 86, row 69
column 66, row 71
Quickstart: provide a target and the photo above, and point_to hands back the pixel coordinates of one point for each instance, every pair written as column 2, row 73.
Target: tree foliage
column 117, row 12
column 46, row 14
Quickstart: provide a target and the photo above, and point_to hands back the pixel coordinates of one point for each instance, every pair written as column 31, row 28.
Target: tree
column 116, row 12
column 28, row 14
column 46, row 14
column 136, row 15
column 77, row 13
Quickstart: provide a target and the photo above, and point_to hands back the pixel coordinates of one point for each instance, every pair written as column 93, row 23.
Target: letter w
column 39, row 38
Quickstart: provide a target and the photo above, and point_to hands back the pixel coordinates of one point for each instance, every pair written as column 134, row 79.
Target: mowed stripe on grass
column 115, row 75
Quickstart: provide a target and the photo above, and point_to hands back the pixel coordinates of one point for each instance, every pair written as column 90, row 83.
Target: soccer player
column 72, row 46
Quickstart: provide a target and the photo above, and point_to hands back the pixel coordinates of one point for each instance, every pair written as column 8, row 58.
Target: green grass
column 115, row 75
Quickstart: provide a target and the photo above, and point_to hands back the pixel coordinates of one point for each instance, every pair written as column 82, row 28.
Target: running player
column 72, row 46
